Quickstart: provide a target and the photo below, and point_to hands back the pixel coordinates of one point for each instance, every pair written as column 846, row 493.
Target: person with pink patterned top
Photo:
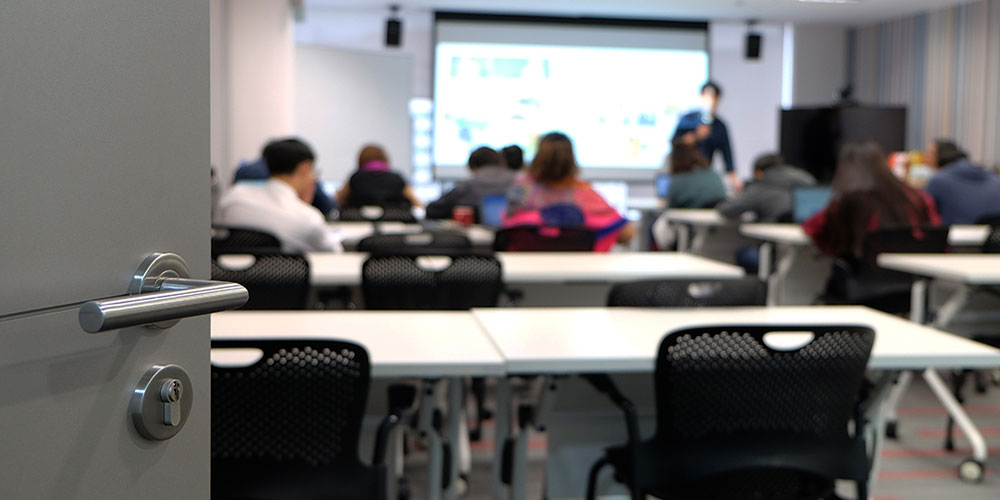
column 550, row 194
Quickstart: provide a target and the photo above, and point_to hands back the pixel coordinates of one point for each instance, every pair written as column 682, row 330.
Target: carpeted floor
column 914, row 467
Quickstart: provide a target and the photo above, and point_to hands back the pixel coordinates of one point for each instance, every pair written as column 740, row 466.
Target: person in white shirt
column 281, row 205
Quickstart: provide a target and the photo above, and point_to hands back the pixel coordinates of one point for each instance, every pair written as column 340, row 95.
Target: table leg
column 683, row 237
column 698, row 240
column 786, row 259
column 501, row 432
column 456, row 390
column 918, row 301
column 425, row 424
column 764, row 260
column 956, row 411
column 952, row 306
column 541, row 410
column 892, row 403
column 875, row 415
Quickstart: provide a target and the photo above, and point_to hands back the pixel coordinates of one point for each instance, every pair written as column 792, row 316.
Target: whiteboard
column 345, row 99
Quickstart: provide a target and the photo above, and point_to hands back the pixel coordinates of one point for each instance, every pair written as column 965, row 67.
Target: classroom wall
column 818, row 63
column 252, row 71
column 944, row 65
column 752, row 89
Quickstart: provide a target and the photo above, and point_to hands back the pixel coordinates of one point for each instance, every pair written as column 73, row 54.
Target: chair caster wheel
column 971, row 471
column 891, row 430
column 949, row 445
column 462, row 485
column 475, row 435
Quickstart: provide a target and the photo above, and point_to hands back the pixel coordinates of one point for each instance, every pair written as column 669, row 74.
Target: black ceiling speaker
column 393, row 28
column 753, row 46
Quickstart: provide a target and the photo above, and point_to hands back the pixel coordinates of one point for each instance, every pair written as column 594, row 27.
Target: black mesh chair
column 400, row 282
column 431, row 241
column 384, row 214
column 687, row 293
column 864, row 282
column 469, row 280
column 738, row 419
column 992, row 242
column 989, row 220
column 275, row 281
column 544, row 239
column 287, row 426
column 241, row 240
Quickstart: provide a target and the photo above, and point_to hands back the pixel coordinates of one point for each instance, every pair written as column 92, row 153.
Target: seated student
column 769, row 197
column 963, row 192
column 279, row 206
column 374, row 184
column 513, row 157
column 550, row 194
column 489, row 177
column 693, row 183
column 258, row 171
column 866, row 197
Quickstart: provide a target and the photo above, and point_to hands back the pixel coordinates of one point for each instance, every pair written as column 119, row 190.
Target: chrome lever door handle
column 159, row 295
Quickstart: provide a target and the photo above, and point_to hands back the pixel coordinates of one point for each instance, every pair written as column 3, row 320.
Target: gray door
column 104, row 156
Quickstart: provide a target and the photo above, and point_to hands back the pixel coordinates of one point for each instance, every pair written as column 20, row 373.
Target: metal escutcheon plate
column 147, row 406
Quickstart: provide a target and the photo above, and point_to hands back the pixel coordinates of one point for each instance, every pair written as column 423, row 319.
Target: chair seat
column 246, row 480
column 741, row 467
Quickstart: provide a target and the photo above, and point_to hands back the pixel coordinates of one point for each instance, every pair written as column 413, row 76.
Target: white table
column 700, row 219
column 401, row 344
column 623, row 340
column 789, row 240
column 329, row 269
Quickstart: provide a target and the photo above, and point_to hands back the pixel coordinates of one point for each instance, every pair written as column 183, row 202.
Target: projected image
column 619, row 105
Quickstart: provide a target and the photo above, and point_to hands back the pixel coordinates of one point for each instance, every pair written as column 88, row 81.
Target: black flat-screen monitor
column 811, row 137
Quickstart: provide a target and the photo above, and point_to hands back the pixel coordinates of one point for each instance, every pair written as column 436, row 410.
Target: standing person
column 704, row 129
column 281, row 206
column 375, row 184
column 866, row 197
column 963, row 192
column 769, row 197
column 551, row 194
column 489, row 177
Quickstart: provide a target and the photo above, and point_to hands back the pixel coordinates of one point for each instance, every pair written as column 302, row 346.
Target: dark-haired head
column 513, row 156
column 685, row 158
column 711, row 86
column 554, row 161
column 284, row 156
column 767, row 161
column 946, row 151
column 482, row 157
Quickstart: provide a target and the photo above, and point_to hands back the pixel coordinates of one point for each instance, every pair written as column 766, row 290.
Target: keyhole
column 170, row 393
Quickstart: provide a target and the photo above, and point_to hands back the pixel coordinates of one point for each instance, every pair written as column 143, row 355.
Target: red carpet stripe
column 939, row 432
column 939, row 410
column 535, row 443
column 933, row 452
column 892, row 475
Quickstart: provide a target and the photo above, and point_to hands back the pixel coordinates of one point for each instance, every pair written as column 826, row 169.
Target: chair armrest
column 401, row 397
column 603, row 383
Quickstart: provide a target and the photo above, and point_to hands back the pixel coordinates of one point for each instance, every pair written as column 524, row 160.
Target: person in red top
column 866, row 197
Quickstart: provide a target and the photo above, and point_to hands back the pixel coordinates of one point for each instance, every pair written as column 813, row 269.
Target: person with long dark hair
column 550, row 193
column 866, row 197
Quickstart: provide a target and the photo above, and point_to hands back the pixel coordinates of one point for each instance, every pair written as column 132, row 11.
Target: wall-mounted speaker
column 393, row 32
column 753, row 46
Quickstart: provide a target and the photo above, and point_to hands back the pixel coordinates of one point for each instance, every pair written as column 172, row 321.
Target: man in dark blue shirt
column 963, row 192
column 258, row 171
column 704, row 129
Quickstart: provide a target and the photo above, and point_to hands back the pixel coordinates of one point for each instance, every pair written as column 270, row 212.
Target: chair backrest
column 992, row 242
column 275, row 281
column 241, row 240
column 377, row 214
column 989, row 219
column 404, row 282
column 544, row 239
column 902, row 240
column 430, row 241
column 688, row 293
column 301, row 403
column 725, row 381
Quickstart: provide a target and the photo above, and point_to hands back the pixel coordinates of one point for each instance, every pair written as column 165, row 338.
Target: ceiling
column 857, row 12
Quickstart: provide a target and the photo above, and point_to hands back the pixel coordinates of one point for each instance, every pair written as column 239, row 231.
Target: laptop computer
column 807, row 201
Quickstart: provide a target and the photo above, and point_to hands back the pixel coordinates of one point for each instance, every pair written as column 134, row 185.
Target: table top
column 400, row 343
column 697, row 216
column 792, row 234
column 329, row 269
column 580, row 340
column 973, row 269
